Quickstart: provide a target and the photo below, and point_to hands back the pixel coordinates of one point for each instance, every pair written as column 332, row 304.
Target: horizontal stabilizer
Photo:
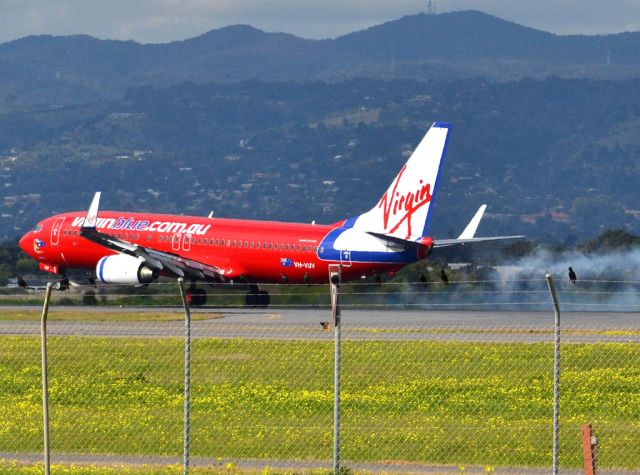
column 454, row 242
column 395, row 241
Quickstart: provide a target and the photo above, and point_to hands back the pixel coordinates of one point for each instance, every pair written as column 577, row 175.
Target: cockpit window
column 38, row 228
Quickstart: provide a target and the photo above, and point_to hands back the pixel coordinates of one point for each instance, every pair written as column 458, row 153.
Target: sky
column 161, row 21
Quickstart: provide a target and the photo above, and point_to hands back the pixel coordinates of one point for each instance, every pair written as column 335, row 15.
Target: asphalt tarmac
column 373, row 324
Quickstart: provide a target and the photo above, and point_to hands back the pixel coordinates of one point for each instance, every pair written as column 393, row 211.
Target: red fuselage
column 259, row 251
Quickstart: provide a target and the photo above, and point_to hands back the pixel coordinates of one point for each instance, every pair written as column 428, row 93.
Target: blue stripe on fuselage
column 327, row 252
column 349, row 223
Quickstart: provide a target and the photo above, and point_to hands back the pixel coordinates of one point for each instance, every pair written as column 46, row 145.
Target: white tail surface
column 470, row 231
column 404, row 209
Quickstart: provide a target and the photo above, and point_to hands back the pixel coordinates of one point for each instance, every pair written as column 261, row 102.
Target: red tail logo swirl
column 399, row 208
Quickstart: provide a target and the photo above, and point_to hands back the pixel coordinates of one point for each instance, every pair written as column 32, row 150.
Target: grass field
column 104, row 315
column 8, row 467
column 433, row 402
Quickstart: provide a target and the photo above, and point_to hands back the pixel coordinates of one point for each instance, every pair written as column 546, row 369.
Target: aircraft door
column 175, row 243
column 345, row 258
column 186, row 242
column 55, row 231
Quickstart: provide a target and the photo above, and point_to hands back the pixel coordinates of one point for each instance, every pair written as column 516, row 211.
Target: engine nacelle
column 124, row 269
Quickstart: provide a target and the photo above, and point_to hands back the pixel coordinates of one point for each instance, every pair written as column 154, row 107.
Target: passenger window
column 246, row 244
column 199, row 240
column 251, row 244
column 298, row 247
column 282, row 247
column 304, row 248
column 270, row 245
column 218, row 242
column 264, row 245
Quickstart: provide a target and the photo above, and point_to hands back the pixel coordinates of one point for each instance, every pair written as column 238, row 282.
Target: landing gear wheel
column 258, row 298
column 62, row 284
column 252, row 298
column 196, row 297
column 264, row 299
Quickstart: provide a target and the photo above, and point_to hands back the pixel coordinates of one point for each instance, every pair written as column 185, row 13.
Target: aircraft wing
column 168, row 263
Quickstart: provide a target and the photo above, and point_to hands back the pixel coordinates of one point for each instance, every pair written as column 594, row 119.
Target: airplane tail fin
column 404, row 210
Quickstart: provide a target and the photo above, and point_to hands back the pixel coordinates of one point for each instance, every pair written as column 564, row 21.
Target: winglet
column 92, row 214
column 470, row 231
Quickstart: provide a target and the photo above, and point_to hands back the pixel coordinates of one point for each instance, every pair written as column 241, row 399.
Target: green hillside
column 552, row 159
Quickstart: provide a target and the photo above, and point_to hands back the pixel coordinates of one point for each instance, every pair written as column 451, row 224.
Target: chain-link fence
column 432, row 381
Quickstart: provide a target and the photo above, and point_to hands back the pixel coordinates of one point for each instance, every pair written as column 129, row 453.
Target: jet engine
column 124, row 269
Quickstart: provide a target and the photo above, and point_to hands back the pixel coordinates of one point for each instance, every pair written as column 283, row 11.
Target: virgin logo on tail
column 401, row 206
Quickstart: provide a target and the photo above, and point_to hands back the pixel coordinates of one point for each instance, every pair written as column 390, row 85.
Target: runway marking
column 271, row 316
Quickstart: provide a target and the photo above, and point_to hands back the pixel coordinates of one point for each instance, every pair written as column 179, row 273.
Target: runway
column 356, row 324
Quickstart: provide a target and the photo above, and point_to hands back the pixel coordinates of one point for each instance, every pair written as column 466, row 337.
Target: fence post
column 556, row 374
column 334, row 283
column 45, row 379
column 187, row 376
column 589, row 442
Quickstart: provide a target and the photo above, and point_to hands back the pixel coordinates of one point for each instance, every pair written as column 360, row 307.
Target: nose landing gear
column 62, row 284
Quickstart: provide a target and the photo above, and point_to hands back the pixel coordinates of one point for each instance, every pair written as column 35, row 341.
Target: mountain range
column 466, row 44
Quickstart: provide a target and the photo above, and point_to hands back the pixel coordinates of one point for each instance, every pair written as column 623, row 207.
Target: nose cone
column 26, row 244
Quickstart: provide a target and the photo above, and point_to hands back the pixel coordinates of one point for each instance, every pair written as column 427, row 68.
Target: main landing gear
column 195, row 296
column 257, row 298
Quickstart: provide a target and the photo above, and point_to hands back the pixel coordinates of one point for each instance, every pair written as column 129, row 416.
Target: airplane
column 138, row 248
